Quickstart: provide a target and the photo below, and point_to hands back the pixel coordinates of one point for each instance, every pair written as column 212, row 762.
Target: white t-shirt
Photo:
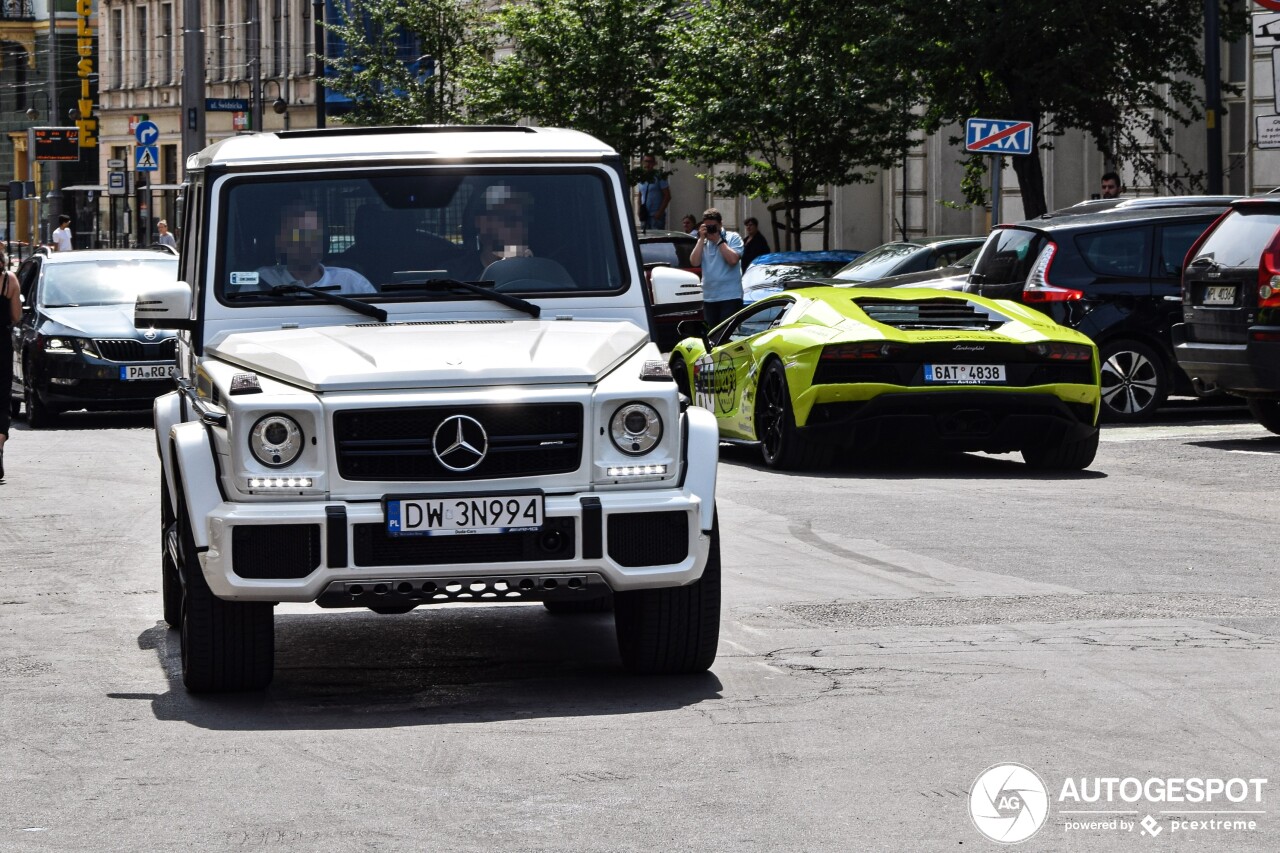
column 62, row 238
column 347, row 281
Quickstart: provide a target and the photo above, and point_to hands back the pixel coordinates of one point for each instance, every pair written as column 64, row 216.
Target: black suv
column 1113, row 275
column 1230, row 339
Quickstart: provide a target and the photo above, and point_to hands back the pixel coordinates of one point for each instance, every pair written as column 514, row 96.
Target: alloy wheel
column 1130, row 382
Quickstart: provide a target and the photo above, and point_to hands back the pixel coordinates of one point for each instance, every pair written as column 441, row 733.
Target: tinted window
column 1175, row 242
column 1239, row 239
column 1008, row 256
column 1120, row 253
column 879, row 262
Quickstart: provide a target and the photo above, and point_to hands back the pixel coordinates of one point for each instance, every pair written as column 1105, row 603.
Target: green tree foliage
column 1123, row 71
column 786, row 92
column 389, row 87
column 592, row 65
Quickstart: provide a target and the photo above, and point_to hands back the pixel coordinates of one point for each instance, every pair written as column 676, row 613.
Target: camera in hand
column 713, row 227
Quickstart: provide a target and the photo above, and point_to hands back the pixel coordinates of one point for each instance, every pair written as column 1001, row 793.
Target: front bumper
column 79, row 381
column 633, row 540
column 1251, row 368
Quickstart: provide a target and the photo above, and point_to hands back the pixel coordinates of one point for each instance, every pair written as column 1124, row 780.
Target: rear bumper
column 1248, row 368
column 961, row 421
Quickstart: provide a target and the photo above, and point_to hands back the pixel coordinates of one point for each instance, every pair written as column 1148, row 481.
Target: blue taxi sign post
column 997, row 137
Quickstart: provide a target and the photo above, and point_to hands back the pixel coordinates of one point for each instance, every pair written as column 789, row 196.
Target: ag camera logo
column 1008, row 803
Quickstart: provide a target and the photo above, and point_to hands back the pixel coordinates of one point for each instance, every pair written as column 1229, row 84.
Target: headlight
column 636, row 428
column 276, row 440
column 63, row 345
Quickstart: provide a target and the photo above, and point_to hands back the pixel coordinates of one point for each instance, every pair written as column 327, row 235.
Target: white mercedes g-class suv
column 414, row 368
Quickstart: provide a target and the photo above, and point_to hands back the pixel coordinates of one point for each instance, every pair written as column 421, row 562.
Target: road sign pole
column 996, row 168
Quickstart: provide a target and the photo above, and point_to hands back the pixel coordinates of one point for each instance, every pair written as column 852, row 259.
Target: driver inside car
column 502, row 231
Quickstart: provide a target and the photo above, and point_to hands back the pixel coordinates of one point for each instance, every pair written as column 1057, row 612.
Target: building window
column 166, row 42
column 116, row 64
column 278, row 36
column 220, row 37
column 144, row 45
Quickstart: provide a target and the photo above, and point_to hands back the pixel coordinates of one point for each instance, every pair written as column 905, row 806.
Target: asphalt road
column 889, row 633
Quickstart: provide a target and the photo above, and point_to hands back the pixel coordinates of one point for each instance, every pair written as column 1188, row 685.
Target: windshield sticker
column 243, row 278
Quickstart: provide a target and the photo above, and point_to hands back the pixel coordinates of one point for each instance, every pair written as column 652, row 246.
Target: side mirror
column 673, row 287
column 165, row 306
column 695, row 329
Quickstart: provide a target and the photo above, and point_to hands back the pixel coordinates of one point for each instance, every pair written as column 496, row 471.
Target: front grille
column 648, row 538
column 396, row 444
column 931, row 314
column 554, row 541
column 275, row 550
column 130, row 350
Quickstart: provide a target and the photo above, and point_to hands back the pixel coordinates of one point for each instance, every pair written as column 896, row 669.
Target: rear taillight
column 1053, row 351
column 1265, row 337
column 865, row 351
column 1038, row 287
column 1269, row 274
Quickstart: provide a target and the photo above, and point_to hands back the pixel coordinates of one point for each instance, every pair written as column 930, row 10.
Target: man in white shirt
column 62, row 235
column 300, row 242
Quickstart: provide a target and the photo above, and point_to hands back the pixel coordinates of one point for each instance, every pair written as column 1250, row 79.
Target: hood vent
column 931, row 314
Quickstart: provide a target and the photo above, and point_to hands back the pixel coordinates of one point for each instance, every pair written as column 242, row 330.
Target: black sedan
column 77, row 347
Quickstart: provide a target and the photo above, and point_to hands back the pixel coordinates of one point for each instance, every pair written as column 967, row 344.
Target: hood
column 435, row 354
column 99, row 321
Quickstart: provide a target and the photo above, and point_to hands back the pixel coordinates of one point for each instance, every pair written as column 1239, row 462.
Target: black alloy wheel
column 781, row 444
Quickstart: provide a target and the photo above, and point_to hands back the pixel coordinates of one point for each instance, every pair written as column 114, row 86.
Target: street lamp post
column 317, row 17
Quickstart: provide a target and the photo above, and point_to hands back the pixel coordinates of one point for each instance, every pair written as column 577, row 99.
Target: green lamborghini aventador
column 811, row 372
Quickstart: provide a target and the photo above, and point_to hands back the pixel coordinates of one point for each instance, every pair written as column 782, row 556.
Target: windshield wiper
column 337, row 299
column 471, row 287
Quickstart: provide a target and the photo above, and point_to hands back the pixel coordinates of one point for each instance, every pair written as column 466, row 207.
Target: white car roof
column 482, row 142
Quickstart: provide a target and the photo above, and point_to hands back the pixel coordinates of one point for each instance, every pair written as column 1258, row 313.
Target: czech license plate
column 463, row 515
column 1220, row 294
column 964, row 374
column 130, row 372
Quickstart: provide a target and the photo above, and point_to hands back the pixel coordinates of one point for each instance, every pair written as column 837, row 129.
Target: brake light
column 1269, row 274
column 1053, row 351
column 1195, row 249
column 865, row 351
column 1264, row 336
column 1039, row 289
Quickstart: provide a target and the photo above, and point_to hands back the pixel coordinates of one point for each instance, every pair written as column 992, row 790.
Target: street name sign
column 998, row 136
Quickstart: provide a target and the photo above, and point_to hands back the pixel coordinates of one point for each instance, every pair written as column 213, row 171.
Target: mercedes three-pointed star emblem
column 460, row 443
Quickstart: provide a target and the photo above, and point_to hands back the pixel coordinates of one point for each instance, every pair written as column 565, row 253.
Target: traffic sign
column 1266, row 30
column 1273, row 5
column 115, row 183
column 998, row 136
column 147, row 133
column 146, row 158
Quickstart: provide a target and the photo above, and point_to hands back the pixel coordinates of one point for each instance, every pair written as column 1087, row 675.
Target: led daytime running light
column 636, row 470
column 280, row 482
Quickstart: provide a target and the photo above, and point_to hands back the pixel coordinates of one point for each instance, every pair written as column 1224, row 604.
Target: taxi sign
column 998, row 136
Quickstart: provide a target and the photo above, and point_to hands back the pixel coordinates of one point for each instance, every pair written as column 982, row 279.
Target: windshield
column 103, row 282
column 393, row 235
column 767, row 275
column 879, row 262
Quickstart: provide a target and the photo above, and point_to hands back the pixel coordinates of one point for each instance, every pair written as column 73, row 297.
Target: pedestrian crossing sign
column 146, row 158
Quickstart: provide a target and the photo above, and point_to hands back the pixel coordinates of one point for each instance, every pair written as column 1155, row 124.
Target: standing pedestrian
column 1111, row 186
column 690, row 224
column 165, row 238
column 62, row 236
column 754, row 244
column 719, row 253
column 653, row 194
column 10, row 316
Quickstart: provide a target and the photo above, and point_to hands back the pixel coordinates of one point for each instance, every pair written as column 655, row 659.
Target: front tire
column 227, row 646
column 170, row 583
column 673, row 630
column 1064, row 456
column 1265, row 412
column 1135, row 382
column 781, row 444
column 39, row 415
